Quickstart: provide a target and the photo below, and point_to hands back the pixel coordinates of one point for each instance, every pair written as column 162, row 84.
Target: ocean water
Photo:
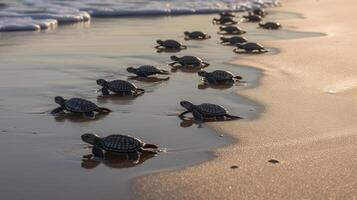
column 34, row 15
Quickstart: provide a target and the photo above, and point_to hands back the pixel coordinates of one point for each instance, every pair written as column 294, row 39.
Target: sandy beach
column 308, row 125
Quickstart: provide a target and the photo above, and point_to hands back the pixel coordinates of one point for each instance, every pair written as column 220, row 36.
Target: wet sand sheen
column 44, row 154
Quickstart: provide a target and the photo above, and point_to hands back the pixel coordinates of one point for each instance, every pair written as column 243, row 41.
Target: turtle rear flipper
column 138, row 92
column 183, row 47
column 150, row 146
column 97, row 152
column 57, row 110
column 182, row 115
column 103, row 110
column 197, row 116
column 163, row 72
column 232, row 116
column 105, row 91
column 211, row 80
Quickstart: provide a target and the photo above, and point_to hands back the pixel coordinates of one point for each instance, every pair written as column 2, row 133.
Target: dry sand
column 312, row 132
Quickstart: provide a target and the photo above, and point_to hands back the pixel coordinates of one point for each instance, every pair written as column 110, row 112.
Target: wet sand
column 43, row 154
column 309, row 122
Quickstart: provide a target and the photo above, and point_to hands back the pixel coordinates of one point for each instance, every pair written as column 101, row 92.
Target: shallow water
column 43, row 154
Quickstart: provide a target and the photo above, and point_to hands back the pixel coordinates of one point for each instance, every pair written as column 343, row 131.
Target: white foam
column 31, row 14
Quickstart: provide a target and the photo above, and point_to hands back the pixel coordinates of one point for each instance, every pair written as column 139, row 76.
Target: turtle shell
column 271, row 25
column 79, row 105
column 121, row 143
column 225, row 19
column 172, row 44
column 147, row 69
column 236, row 40
column 121, row 86
column 197, row 34
column 221, row 75
column 251, row 46
column 231, row 29
column 211, row 110
column 190, row 60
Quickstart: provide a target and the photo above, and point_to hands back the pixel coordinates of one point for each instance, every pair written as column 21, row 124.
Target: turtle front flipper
column 138, row 92
column 197, row 116
column 57, row 110
column 162, row 71
column 90, row 114
column 158, row 47
column 232, row 116
column 134, row 156
column 205, row 64
column 211, row 80
column 105, row 91
column 182, row 115
column 97, row 152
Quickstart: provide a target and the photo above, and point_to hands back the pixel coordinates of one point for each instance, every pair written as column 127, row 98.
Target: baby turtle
column 169, row 44
column 231, row 30
column 196, row 35
column 224, row 20
column 233, row 40
column 227, row 14
column 270, row 25
column 118, row 144
column 78, row 105
column 188, row 61
column 146, row 70
column 259, row 11
column 206, row 110
column 250, row 47
column 119, row 86
column 252, row 18
column 219, row 76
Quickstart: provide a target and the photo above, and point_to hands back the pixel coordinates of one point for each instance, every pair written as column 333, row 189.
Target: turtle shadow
column 163, row 50
column 114, row 160
column 78, row 117
column 222, row 86
column 152, row 79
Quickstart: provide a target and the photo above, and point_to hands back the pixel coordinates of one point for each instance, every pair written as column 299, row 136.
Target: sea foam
column 35, row 15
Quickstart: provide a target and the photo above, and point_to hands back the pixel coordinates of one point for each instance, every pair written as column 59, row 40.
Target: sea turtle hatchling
column 259, row 11
column 230, row 30
column 119, row 144
column 119, row 86
column 196, row 35
column 250, row 47
column 224, row 20
column 78, row 105
column 252, row 18
column 146, row 70
column 188, row 61
column 206, row 110
column 233, row 40
column 270, row 25
column 218, row 76
column 169, row 44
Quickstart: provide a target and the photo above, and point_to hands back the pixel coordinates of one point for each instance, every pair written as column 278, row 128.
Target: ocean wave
column 34, row 15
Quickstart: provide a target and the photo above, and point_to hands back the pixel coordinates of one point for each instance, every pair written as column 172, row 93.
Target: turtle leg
column 211, row 80
column 142, row 74
column 163, row 72
column 182, row 115
column 105, row 91
column 134, row 156
column 158, row 47
column 183, row 47
column 205, row 64
column 128, row 93
column 232, row 116
column 57, row 110
column 231, row 81
column 89, row 114
column 197, row 116
column 103, row 110
column 173, row 64
column 138, row 92
column 148, row 151
column 97, row 152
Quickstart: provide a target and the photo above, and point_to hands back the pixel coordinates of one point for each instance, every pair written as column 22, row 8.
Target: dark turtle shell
column 251, row 46
column 227, row 14
column 79, row 105
column 211, row 110
column 259, row 11
column 196, row 34
column 253, row 18
column 220, row 75
column 121, row 86
column 270, row 25
column 171, row 44
column 234, row 39
column 231, row 29
column 224, row 20
column 190, row 60
column 148, row 69
column 121, row 143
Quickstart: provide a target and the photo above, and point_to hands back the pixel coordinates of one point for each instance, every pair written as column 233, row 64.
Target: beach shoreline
column 308, row 124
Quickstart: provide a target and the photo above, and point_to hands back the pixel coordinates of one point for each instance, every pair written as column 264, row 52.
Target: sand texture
column 309, row 122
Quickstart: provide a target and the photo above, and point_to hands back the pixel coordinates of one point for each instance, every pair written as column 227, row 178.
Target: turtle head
column 102, row 82
column 174, row 58
column 186, row 104
column 202, row 73
column 159, row 42
column 186, row 33
column 60, row 100
column 90, row 138
column 223, row 38
column 131, row 70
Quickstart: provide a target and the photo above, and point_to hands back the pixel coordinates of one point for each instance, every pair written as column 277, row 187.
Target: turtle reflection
column 114, row 160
